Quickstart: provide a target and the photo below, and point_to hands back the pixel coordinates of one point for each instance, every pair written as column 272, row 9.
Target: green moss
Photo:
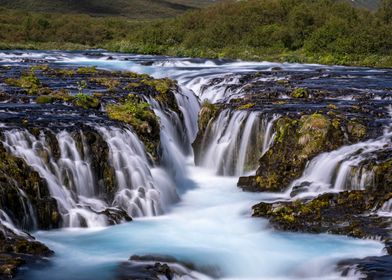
column 43, row 99
column 246, row 106
column 207, row 112
column 87, row 70
column 300, row 93
column 138, row 114
column 86, row 101
column 110, row 83
column 356, row 130
column 29, row 82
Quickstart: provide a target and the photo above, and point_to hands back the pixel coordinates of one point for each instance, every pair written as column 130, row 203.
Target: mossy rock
column 344, row 213
column 29, row 82
column 44, row 99
column 300, row 93
column 208, row 112
column 137, row 113
column 247, row 106
column 15, row 174
column 86, row 101
column 296, row 142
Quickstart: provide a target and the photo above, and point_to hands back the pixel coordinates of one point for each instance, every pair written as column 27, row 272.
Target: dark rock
column 154, row 268
column 17, row 250
column 16, row 177
column 370, row 268
column 348, row 213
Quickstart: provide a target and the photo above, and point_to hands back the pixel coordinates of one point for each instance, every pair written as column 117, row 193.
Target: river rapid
column 208, row 222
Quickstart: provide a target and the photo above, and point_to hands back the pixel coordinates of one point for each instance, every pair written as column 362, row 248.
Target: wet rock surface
column 24, row 195
column 350, row 213
column 151, row 267
column 368, row 268
column 54, row 97
column 18, row 249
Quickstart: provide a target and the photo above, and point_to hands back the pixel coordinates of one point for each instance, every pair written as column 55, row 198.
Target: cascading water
column 341, row 169
column 69, row 177
column 139, row 193
column 210, row 227
column 232, row 142
column 73, row 182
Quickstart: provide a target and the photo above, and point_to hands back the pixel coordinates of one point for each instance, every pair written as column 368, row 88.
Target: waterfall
column 215, row 88
column 189, row 107
column 140, row 189
column 175, row 144
column 386, row 209
column 139, row 192
column 235, row 141
column 6, row 224
column 69, row 177
column 341, row 169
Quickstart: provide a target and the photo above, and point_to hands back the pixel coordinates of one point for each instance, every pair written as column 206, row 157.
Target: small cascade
column 233, row 142
column 386, row 209
column 6, row 225
column 189, row 106
column 269, row 134
column 215, row 88
column 29, row 215
column 68, row 168
column 140, row 192
column 69, row 176
column 175, row 144
column 341, row 169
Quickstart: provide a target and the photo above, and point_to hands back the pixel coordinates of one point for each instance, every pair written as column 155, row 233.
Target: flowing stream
column 193, row 213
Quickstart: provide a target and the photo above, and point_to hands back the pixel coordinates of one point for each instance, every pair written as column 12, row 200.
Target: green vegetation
column 86, row 101
column 135, row 112
column 138, row 114
column 326, row 31
column 246, row 106
column 323, row 31
column 29, row 82
column 300, row 93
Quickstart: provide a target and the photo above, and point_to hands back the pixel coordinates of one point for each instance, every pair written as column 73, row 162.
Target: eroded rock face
column 17, row 250
column 24, row 195
column 297, row 141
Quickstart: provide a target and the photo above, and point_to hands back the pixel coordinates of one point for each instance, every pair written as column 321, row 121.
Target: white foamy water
column 211, row 227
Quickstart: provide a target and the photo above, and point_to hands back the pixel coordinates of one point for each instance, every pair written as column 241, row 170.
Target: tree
column 385, row 11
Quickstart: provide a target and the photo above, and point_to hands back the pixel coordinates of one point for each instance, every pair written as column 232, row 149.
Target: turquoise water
column 212, row 228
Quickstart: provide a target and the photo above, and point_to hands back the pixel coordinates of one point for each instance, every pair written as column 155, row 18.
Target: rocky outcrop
column 348, row 213
column 17, row 250
column 297, row 141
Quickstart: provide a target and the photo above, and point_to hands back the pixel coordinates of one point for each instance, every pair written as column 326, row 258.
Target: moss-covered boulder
column 296, row 142
column 136, row 112
column 345, row 213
